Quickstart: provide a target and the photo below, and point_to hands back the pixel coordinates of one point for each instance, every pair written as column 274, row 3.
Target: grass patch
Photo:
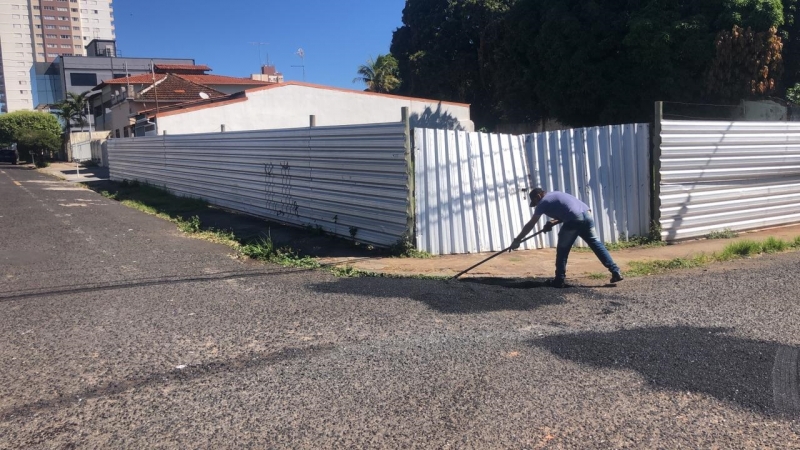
column 598, row 276
column 405, row 248
column 635, row 242
column 642, row 268
column 727, row 233
column 735, row 250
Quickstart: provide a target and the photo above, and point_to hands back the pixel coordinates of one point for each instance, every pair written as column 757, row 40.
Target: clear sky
column 336, row 35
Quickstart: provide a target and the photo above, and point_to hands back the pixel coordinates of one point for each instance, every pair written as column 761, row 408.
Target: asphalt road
column 117, row 331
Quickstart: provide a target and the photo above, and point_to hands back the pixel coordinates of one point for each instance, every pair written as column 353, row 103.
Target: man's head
column 535, row 195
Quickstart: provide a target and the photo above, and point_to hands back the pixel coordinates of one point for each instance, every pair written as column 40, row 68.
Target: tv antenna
column 302, row 54
column 261, row 44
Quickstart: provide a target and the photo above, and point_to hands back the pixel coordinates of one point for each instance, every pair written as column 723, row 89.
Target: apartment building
column 38, row 31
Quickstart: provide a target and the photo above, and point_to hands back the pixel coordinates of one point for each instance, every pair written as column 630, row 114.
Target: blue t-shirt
column 561, row 206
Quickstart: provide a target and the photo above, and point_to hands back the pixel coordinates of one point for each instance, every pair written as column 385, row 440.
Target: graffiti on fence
column 278, row 190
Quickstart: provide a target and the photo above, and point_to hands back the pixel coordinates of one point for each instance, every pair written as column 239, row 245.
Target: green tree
column 606, row 61
column 73, row 111
column 12, row 124
column 380, row 74
column 37, row 142
column 439, row 51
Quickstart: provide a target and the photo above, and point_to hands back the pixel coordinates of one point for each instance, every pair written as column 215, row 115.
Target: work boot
column 556, row 283
column 616, row 277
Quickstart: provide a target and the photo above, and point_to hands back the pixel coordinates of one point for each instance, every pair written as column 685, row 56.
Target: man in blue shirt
column 577, row 221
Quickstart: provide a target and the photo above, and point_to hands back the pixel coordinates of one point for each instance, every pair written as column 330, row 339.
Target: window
column 83, row 79
column 52, row 46
column 16, row 25
column 76, row 28
column 62, row 9
column 15, row 7
column 79, row 47
column 66, row 36
column 39, row 27
column 66, row 46
column 50, row 27
column 126, row 131
column 116, row 133
column 62, row 27
column 15, row 16
column 49, row 8
column 52, row 55
column 49, row 17
column 23, row 82
column 39, row 35
column 36, row 7
column 52, row 36
column 41, row 55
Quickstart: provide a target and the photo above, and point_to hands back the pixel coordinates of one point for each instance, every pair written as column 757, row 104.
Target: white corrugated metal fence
column 471, row 188
column 736, row 175
column 344, row 179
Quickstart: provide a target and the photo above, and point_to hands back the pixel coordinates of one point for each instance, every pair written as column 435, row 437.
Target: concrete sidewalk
column 76, row 174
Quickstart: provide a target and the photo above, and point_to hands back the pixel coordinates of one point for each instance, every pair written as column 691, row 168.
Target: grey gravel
column 119, row 332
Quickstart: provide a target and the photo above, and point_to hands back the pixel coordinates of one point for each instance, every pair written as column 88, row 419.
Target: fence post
column 411, row 220
column 222, row 128
column 312, row 121
column 655, row 167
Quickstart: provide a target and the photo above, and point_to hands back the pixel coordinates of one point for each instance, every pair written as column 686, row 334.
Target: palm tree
column 380, row 74
column 75, row 109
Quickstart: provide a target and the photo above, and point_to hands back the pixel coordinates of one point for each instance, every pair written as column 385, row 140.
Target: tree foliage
column 583, row 62
column 36, row 142
column 380, row 74
column 74, row 110
column 747, row 64
column 13, row 125
column 439, row 50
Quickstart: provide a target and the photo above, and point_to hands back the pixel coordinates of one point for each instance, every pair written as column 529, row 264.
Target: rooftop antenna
column 260, row 44
column 302, row 54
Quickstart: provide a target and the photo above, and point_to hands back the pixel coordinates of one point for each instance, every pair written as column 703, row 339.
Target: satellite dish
column 116, row 93
column 204, row 96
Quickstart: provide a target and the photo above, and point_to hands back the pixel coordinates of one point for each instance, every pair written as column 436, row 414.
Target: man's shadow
column 756, row 375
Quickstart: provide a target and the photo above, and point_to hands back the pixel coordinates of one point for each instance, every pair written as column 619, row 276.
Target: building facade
column 39, row 31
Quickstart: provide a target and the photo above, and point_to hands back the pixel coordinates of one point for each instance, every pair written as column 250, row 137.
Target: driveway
column 119, row 332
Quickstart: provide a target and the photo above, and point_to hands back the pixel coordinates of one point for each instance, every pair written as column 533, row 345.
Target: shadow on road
column 246, row 361
column 451, row 297
column 140, row 282
column 700, row 360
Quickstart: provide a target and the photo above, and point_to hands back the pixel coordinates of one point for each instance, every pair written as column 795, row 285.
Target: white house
column 291, row 104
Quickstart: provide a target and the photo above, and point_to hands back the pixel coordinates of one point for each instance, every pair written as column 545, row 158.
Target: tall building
column 38, row 31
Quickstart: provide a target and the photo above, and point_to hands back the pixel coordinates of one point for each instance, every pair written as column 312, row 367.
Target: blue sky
column 336, row 35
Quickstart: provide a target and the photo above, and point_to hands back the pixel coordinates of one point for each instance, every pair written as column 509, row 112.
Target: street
column 118, row 331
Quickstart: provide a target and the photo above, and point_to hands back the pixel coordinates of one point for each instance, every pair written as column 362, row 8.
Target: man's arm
column 526, row 230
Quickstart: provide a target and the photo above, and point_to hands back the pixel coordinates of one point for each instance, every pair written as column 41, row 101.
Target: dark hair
column 535, row 191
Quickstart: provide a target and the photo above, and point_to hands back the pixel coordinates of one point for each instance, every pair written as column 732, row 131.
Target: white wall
column 290, row 105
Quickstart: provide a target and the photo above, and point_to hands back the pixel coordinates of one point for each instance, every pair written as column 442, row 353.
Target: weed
column 727, row 233
column 796, row 242
column 740, row 249
column 641, row 268
column 598, row 276
column 405, row 248
column 774, row 245
column 189, row 226
column 635, row 242
column 353, row 232
column 263, row 249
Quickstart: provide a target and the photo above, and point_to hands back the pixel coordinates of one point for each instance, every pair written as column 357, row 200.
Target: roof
column 349, row 91
column 174, row 88
column 147, row 78
column 192, row 67
column 196, row 104
column 221, row 79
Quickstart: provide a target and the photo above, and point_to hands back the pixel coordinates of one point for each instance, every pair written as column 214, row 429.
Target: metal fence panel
column 736, row 175
column 343, row 179
column 471, row 188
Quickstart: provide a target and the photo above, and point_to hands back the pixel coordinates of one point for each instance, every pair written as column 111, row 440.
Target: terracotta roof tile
column 177, row 89
column 145, row 78
column 220, row 79
column 169, row 67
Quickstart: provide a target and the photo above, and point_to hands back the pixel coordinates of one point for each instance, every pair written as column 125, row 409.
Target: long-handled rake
column 495, row 255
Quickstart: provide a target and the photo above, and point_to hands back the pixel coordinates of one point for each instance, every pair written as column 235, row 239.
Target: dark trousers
column 582, row 227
